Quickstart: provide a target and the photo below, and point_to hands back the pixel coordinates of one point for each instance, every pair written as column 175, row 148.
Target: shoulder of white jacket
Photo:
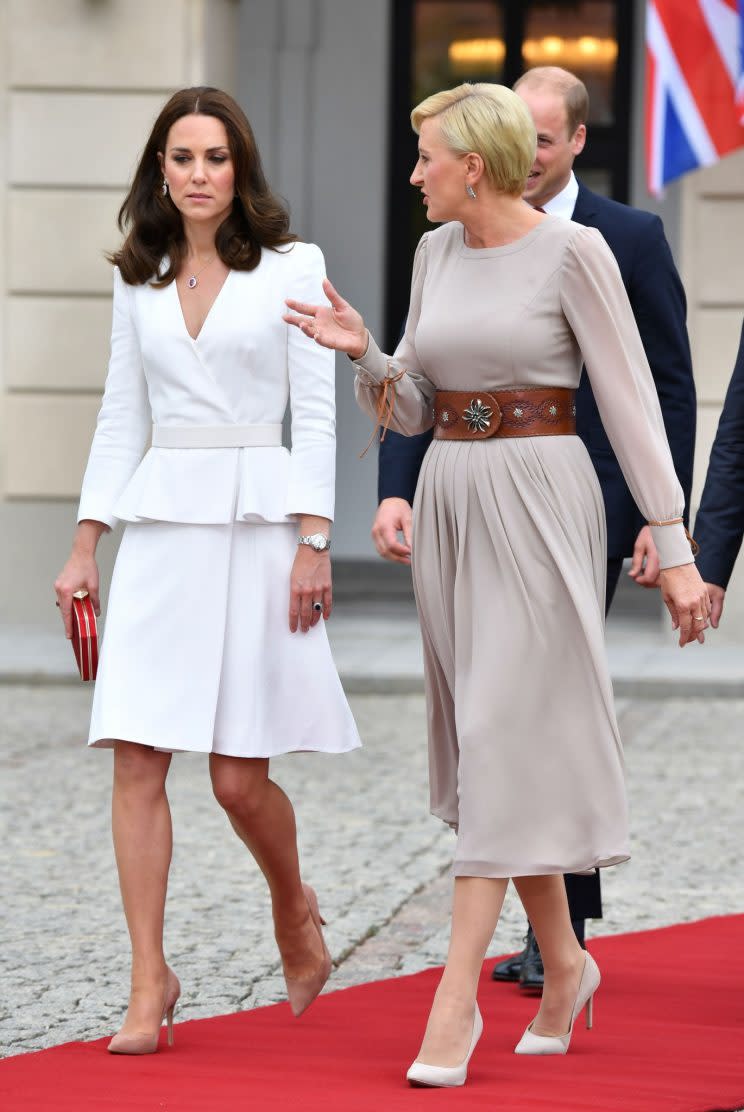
column 300, row 263
column 298, row 253
column 118, row 280
column 120, row 287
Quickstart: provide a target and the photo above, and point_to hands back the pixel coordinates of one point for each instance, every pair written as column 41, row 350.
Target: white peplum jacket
column 230, row 387
column 197, row 653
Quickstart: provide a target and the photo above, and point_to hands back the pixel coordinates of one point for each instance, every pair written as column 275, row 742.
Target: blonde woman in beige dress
column 509, row 544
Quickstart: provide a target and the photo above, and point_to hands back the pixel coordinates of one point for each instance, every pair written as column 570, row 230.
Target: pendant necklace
column 193, row 281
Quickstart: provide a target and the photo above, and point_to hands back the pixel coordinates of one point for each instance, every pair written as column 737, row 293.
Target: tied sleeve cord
column 695, row 547
column 385, row 407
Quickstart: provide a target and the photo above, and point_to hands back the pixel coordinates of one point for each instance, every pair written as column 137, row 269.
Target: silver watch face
column 317, row 541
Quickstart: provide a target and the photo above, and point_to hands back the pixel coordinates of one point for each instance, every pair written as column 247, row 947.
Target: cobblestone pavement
column 378, row 860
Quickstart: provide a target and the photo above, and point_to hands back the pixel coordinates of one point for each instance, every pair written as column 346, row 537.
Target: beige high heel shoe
column 146, row 1042
column 422, row 1075
column 302, row 991
column 559, row 1044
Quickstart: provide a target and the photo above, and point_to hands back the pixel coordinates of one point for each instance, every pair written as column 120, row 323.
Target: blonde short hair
column 489, row 120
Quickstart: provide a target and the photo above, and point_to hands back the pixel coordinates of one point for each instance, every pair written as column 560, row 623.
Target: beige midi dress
column 509, row 544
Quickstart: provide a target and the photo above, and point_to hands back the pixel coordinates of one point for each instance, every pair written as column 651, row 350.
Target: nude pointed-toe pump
column 302, row 991
column 446, row 1077
column 530, row 1043
column 146, row 1042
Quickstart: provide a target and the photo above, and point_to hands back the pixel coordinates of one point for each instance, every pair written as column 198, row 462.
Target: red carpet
column 668, row 1037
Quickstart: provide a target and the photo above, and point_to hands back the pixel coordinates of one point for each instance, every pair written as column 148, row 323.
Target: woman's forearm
column 87, row 536
column 310, row 524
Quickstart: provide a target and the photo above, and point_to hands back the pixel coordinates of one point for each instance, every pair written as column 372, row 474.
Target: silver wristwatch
column 317, row 541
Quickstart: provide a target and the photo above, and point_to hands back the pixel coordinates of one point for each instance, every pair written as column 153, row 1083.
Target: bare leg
column 476, row 908
column 143, row 841
column 544, row 899
column 263, row 818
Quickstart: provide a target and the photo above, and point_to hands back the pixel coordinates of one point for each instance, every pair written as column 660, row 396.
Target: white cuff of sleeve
column 91, row 512
column 672, row 545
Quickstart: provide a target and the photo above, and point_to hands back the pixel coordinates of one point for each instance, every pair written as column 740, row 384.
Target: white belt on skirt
column 216, row 436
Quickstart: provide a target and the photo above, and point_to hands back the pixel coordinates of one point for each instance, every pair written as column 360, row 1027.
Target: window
column 456, row 42
column 582, row 38
column 439, row 43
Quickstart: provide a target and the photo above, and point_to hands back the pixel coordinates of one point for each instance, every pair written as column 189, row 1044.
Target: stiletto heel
column 146, row 1042
column 302, row 991
column 446, row 1077
column 559, row 1044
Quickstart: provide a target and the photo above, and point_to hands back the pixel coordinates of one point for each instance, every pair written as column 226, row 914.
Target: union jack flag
column 694, row 85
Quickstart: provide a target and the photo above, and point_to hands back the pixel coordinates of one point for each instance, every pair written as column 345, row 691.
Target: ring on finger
column 317, row 607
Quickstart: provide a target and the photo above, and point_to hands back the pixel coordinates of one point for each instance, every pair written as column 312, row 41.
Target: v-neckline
column 217, row 297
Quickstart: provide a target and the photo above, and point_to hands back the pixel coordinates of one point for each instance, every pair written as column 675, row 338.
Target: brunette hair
column 152, row 223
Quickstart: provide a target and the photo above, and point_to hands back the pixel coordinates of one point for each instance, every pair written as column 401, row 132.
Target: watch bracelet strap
column 307, row 540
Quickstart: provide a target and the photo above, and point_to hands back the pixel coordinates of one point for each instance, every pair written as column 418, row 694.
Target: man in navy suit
column 559, row 105
column 719, row 525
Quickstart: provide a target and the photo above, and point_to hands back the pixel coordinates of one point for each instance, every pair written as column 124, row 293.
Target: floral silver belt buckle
column 480, row 417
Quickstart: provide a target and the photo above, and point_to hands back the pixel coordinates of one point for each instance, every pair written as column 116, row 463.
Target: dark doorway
column 439, row 43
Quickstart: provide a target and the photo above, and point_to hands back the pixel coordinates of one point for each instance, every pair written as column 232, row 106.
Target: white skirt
column 197, row 654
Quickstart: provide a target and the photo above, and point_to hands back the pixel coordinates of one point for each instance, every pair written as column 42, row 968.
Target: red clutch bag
column 84, row 635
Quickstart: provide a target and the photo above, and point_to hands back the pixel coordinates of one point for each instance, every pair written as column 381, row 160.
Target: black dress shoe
column 509, row 969
column 531, row 974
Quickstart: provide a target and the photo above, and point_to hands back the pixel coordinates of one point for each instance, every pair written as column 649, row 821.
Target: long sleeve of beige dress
column 509, row 543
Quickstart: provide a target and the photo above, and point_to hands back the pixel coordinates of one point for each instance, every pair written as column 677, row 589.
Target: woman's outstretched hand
column 338, row 325
column 687, row 600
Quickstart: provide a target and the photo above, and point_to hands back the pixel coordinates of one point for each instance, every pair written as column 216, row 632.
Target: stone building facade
column 80, row 83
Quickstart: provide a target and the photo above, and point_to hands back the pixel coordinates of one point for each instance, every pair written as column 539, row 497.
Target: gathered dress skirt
column 197, row 654
column 509, row 564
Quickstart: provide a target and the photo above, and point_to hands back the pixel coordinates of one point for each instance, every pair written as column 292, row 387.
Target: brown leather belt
column 524, row 411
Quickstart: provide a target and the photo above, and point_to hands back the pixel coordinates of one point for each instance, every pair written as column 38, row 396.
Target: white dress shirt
column 564, row 203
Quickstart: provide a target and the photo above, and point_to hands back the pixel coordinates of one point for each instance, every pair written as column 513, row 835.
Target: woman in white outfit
column 213, row 640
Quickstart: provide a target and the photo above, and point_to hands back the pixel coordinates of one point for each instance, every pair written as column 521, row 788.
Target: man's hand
column 393, row 517
column 717, row 595
column 645, row 566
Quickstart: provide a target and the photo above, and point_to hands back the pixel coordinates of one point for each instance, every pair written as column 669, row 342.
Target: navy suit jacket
column 637, row 241
column 719, row 525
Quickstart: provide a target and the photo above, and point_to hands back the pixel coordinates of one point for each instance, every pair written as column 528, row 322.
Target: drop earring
column 470, row 191
column 165, row 187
